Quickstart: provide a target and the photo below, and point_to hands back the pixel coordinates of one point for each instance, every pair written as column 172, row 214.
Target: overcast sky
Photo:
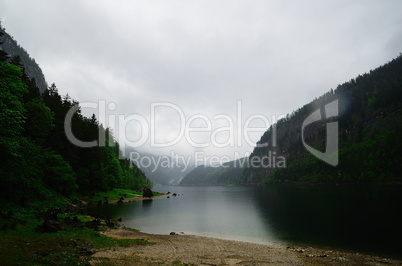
column 206, row 58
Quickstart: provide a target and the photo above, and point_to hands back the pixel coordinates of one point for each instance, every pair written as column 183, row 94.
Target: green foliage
column 59, row 175
column 115, row 194
column 12, row 111
column 20, row 243
column 39, row 120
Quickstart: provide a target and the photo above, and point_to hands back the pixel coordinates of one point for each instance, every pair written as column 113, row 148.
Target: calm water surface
column 358, row 218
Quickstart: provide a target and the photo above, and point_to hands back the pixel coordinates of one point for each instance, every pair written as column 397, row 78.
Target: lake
column 358, row 218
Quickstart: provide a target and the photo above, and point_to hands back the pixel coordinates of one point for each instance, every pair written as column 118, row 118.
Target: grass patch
column 21, row 244
column 63, row 247
column 116, row 194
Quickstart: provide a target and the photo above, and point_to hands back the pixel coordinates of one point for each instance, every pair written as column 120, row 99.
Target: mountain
column 160, row 169
column 32, row 69
column 226, row 174
column 368, row 113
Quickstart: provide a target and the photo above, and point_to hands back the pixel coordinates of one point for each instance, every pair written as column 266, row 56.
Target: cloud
column 204, row 56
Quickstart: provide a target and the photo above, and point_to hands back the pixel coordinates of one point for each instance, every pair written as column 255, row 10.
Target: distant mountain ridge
column 32, row 69
column 162, row 170
column 225, row 174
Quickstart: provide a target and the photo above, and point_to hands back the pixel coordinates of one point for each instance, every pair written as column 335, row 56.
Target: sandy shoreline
column 199, row 250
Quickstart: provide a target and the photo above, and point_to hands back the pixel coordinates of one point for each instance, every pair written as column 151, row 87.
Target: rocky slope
column 32, row 68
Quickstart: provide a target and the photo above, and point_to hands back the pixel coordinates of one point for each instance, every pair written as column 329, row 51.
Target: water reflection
column 362, row 218
column 146, row 203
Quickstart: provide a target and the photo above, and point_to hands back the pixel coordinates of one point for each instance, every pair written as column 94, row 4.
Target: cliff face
column 32, row 69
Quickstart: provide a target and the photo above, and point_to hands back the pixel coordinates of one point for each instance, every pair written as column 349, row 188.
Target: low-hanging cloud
column 204, row 56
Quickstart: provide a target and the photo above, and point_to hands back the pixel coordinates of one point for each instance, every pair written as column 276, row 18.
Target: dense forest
column 370, row 134
column 37, row 160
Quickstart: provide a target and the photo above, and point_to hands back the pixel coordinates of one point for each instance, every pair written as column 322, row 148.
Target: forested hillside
column 370, row 134
column 37, row 159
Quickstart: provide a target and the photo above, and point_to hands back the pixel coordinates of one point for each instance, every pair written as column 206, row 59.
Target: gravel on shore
column 179, row 249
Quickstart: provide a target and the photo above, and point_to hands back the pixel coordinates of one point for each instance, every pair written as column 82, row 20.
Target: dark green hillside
column 370, row 134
